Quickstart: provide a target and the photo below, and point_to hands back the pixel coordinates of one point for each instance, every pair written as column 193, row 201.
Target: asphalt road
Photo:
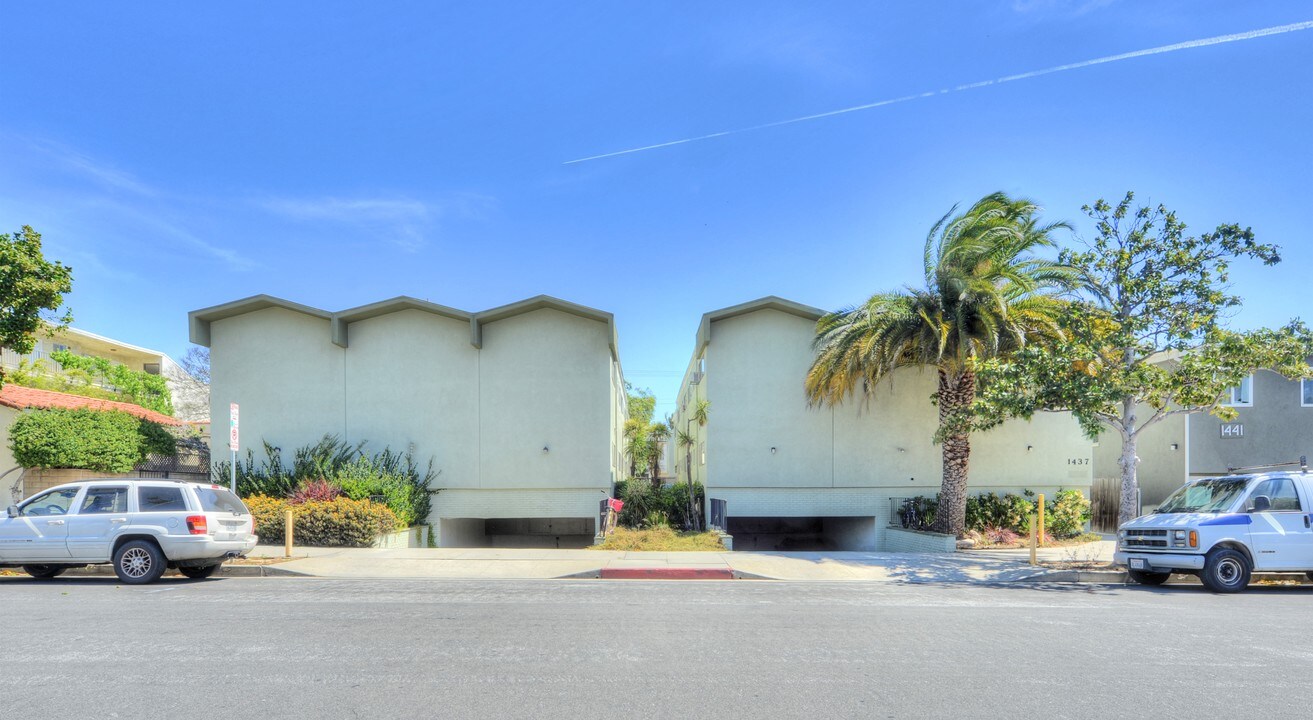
column 310, row 648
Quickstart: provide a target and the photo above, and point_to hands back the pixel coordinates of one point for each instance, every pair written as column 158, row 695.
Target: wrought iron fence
column 719, row 514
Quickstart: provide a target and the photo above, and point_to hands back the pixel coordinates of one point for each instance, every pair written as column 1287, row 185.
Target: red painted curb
column 666, row 574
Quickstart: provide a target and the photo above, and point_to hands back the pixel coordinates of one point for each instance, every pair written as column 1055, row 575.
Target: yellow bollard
column 1040, row 504
column 1031, row 520
column 287, row 534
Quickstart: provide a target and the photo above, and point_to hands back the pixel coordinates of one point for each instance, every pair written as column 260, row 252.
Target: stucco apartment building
column 1274, row 424
column 190, row 396
column 520, row 406
column 796, row 477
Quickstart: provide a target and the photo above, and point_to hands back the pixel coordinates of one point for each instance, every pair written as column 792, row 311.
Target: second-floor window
column 1241, row 395
column 1306, row 392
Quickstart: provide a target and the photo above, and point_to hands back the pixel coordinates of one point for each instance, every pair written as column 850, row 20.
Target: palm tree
column 986, row 294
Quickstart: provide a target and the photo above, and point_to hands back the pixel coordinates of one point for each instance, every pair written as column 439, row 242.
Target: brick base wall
column 36, row 480
column 911, row 541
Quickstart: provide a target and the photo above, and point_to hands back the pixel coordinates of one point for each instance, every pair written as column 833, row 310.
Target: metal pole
column 232, row 466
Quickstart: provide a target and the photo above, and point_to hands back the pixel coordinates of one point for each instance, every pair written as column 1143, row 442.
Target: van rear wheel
column 1148, row 578
column 1225, row 571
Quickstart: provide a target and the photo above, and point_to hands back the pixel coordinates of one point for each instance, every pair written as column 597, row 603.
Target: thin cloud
column 405, row 222
column 1188, row 45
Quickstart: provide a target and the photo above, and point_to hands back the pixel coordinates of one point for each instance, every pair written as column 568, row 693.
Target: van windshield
column 1206, row 496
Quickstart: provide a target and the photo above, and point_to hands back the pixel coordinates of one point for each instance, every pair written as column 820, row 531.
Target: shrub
column 342, row 522
column 645, row 506
column 1000, row 536
column 1067, row 513
column 399, row 478
column 990, row 510
column 88, row 439
column 315, row 491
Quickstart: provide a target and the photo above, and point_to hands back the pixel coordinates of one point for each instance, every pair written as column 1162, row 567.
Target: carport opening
column 564, row 533
column 802, row 533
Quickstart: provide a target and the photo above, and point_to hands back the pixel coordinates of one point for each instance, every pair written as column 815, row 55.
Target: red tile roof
column 17, row 396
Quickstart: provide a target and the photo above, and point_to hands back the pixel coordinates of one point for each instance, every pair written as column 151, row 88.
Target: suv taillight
column 196, row 525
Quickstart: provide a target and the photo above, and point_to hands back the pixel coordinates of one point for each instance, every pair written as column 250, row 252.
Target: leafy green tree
column 986, row 294
column 32, row 291
column 1149, row 343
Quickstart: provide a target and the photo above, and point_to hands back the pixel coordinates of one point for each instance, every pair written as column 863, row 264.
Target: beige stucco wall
column 850, row 459
column 1162, row 468
column 412, row 379
column 283, row 371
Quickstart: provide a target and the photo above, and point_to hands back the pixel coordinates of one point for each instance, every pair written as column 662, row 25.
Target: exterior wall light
column 1029, row 448
column 546, row 449
column 1176, row 446
column 772, row 450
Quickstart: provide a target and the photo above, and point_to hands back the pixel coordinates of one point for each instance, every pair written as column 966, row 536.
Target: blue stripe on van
column 1232, row 519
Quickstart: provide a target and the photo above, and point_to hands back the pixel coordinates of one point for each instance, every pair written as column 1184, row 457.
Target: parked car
column 142, row 527
column 1223, row 529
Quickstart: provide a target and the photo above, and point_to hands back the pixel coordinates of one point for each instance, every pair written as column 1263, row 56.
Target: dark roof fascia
column 199, row 320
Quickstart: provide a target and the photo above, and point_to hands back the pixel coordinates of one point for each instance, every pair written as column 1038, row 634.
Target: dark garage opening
column 800, row 534
column 562, row 533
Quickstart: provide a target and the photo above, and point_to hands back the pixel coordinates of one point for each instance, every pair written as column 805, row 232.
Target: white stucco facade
column 771, row 456
column 520, row 407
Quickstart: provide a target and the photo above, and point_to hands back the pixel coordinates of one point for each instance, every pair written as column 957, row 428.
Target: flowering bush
column 341, row 522
column 319, row 490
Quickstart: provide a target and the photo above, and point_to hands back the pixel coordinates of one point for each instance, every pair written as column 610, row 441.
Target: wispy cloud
column 1187, row 45
column 408, row 223
column 100, row 191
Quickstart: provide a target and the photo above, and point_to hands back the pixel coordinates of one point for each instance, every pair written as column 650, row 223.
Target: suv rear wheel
column 1148, row 578
column 1225, row 571
column 199, row 572
column 44, row 572
column 138, row 562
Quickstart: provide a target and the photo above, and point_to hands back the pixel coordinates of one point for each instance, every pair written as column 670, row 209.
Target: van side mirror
column 1262, row 503
column 12, row 511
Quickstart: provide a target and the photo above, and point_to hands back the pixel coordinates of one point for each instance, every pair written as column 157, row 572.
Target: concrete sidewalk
column 971, row 566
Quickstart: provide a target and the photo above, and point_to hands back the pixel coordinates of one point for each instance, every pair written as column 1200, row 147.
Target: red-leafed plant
column 319, row 490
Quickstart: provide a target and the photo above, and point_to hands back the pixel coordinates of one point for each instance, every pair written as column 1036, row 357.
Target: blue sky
column 180, row 156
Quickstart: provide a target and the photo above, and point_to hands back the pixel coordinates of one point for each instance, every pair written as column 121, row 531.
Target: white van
column 1224, row 528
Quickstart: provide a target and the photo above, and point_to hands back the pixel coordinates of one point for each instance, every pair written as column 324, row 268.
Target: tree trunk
column 956, row 393
column 1130, row 502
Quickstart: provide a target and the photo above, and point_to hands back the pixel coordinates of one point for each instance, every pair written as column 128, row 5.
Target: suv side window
column 160, row 499
column 55, row 502
column 1280, row 492
column 100, row 500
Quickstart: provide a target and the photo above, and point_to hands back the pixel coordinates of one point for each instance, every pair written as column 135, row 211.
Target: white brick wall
column 471, row 503
column 906, row 541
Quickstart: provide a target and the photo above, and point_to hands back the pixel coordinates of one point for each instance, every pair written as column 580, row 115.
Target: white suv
column 142, row 527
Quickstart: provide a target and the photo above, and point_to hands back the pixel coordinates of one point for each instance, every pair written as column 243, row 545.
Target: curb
column 225, row 571
column 663, row 573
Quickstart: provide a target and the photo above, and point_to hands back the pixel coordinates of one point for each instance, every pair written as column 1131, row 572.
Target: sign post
column 232, row 444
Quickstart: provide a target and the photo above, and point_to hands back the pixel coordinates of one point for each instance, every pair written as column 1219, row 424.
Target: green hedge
column 87, row 439
column 649, row 507
column 336, row 523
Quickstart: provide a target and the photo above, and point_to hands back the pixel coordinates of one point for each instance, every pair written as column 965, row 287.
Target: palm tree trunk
column 956, row 393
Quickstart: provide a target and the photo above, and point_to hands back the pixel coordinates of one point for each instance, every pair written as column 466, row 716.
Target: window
column 160, row 499
column 55, row 502
column 1280, row 494
column 702, row 452
column 1241, row 395
column 217, row 499
column 104, row 500
column 1306, row 392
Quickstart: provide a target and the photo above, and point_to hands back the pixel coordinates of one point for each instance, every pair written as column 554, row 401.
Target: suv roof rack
column 1303, row 466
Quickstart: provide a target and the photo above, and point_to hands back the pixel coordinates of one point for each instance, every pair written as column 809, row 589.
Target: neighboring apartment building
column 1274, row 424
column 797, row 477
column 520, row 407
column 190, row 396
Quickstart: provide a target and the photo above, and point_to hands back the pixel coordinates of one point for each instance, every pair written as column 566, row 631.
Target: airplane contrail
column 1218, row 40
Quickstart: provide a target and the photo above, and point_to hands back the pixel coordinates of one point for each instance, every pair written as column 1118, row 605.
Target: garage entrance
column 799, row 534
column 555, row 533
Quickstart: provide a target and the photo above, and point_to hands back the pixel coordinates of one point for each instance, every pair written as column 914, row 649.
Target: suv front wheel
column 1225, row 571
column 139, row 562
